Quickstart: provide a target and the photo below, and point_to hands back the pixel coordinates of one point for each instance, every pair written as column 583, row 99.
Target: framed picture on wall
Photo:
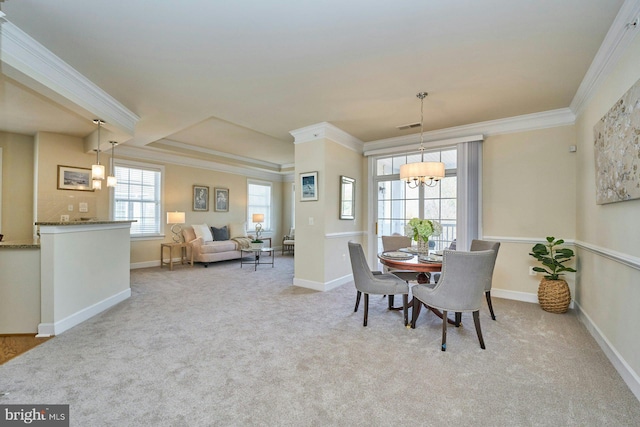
column 200, row 198
column 309, row 186
column 222, row 200
column 73, row 178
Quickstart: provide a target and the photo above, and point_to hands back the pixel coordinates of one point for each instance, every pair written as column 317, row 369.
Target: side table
column 183, row 253
column 256, row 257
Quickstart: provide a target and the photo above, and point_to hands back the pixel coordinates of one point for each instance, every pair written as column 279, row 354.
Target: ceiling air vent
column 409, row 126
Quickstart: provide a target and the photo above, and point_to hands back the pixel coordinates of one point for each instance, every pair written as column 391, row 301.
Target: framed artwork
column 200, row 198
column 72, row 178
column 222, row 200
column 309, row 186
column 617, row 150
column 347, row 198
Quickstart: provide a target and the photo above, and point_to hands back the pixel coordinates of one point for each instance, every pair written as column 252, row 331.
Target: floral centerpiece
column 421, row 229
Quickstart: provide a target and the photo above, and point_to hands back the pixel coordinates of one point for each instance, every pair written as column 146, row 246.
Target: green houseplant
column 553, row 292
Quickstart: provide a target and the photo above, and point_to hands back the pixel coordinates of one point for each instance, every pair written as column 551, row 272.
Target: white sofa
column 206, row 250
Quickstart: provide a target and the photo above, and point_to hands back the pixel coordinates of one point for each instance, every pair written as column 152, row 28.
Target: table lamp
column 176, row 218
column 258, row 219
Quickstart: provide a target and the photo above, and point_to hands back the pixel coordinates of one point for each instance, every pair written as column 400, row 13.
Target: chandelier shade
column 422, row 173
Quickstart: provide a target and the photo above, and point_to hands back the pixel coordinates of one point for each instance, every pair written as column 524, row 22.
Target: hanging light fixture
column 97, row 170
column 422, row 173
column 111, row 179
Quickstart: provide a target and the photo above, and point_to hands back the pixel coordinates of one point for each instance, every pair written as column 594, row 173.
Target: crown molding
column 620, row 35
column 162, row 156
column 255, row 162
column 41, row 70
column 326, row 130
column 527, row 122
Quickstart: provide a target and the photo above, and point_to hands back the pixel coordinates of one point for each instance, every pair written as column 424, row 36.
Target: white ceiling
column 227, row 77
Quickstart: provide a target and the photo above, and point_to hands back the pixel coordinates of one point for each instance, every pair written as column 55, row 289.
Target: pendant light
column 97, row 170
column 422, row 173
column 111, row 179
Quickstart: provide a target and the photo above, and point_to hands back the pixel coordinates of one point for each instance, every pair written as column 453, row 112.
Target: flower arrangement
column 422, row 229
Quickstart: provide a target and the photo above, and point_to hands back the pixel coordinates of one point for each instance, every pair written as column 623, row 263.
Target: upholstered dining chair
column 464, row 278
column 375, row 284
column 483, row 245
column 393, row 243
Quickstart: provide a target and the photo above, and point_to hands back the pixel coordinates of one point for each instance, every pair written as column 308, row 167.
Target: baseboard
column 48, row 329
column 145, row 264
column 629, row 376
column 320, row 286
column 518, row 296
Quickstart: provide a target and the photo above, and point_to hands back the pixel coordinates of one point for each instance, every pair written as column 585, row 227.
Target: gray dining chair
column 393, row 243
column 375, row 284
column 465, row 276
column 483, row 245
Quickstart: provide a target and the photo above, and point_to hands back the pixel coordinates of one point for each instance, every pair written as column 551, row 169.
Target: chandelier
column 422, row 173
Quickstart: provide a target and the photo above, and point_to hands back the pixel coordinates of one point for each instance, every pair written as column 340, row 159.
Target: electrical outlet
column 64, row 218
column 531, row 272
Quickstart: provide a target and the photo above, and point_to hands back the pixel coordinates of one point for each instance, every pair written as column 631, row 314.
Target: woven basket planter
column 554, row 296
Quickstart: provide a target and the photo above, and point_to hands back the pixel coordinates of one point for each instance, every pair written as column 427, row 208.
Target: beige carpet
column 223, row 346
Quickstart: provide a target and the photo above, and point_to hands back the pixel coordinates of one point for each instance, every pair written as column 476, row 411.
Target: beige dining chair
column 483, row 245
column 367, row 282
column 464, row 278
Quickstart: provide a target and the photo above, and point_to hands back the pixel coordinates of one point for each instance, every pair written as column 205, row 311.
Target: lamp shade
column 175, row 218
column 97, row 171
column 258, row 218
column 422, row 171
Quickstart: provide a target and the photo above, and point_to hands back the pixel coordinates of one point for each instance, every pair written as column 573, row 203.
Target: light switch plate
column 83, row 207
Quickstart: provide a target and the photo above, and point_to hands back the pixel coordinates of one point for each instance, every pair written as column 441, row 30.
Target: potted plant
column 256, row 243
column 420, row 230
column 553, row 292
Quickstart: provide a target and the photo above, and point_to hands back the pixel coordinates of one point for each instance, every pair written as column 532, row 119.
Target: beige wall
column 55, row 149
column 608, row 291
column 529, row 182
column 17, row 186
column 310, row 242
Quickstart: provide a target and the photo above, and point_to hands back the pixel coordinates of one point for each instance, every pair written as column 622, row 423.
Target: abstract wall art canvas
column 617, row 150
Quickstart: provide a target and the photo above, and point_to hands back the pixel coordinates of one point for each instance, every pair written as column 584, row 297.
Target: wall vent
column 409, row 126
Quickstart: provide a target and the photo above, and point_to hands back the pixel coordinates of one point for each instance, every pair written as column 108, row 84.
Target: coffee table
column 256, row 256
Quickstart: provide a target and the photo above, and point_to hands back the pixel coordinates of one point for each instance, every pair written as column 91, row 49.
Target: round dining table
column 412, row 264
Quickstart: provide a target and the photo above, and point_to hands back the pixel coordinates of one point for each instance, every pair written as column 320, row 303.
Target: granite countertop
column 82, row 222
column 21, row 244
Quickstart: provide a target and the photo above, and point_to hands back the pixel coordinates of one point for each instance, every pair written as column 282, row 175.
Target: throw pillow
column 202, row 230
column 238, row 230
column 220, row 233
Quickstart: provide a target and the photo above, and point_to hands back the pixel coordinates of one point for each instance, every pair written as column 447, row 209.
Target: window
column 397, row 203
column 258, row 202
column 137, row 197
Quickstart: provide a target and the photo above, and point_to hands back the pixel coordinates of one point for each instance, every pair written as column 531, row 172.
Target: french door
column 396, row 203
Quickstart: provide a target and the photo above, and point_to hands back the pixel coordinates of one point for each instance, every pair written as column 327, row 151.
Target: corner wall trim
column 47, row 329
column 629, row 376
column 322, row 287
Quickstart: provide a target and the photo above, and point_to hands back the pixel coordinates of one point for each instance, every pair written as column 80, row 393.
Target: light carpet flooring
column 224, row 346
